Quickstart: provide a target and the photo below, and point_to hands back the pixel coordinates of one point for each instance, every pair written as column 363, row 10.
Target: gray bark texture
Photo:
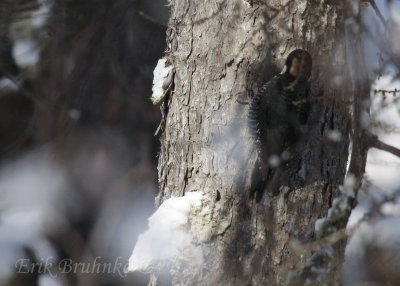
column 222, row 52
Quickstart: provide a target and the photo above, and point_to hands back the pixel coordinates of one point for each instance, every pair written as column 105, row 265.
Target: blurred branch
column 330, row 240
column 151, row 19
column 379, row 14
column 27, row 92
column 374, row 142
column 301, row 101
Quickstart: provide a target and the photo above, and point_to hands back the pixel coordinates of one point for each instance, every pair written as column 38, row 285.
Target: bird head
column 299, row 64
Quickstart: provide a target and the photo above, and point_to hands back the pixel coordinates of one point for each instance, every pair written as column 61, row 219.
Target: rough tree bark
column 222, row 52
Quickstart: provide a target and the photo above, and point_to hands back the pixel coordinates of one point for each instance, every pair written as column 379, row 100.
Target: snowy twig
column 384, row 91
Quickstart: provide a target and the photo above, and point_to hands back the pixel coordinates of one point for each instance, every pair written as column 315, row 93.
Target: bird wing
column 262, row 117
column 259, row 116
column 258, row 110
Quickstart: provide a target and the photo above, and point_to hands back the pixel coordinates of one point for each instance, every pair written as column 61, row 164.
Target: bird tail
column 258, row 183
column 262, row 177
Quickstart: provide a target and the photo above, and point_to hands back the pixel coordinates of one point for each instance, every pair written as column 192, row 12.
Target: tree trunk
column 222, row 52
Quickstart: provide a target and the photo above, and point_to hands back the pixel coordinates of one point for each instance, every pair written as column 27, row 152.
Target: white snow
column 274, row 161
column 319, row 223
column 167, row 234
column 391, row 209
column 160, row 80
column 30, row 188
column 339, row 205
column 348, row 185
column 74, row 114
column 47, row 280
column 32, row 181
column 39, row 16
column 338, row 80
column 357, row 214
column 7, row 84
column 25, row 53
column 23, row 228
column 334, row 135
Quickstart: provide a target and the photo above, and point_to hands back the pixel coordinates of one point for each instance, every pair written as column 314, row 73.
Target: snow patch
column 274, row 161
column 32, row 181
column 338, row 81
column 168, row 234
column 40, row 16
column 349, row 185
column 47, row 280
column 334, row 135
column 25, row 53
column 162, row 79
column 391, row 209
column 7, row 84
column 341, row 208
column 74, row 114
column 319, row 224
